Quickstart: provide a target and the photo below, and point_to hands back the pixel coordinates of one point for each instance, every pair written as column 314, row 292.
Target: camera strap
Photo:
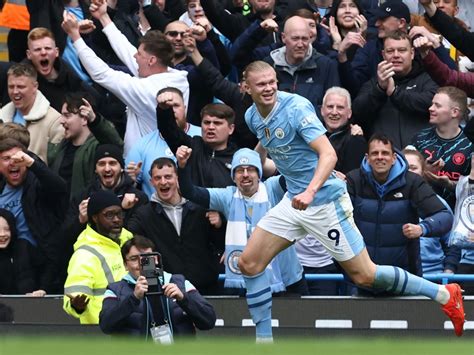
column 159, row 327
column 158, row 310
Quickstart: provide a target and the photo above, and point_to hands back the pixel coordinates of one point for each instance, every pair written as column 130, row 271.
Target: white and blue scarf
column 244, row 214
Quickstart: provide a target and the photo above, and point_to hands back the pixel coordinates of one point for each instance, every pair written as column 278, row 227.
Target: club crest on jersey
column 459, row 158
column 279, row 133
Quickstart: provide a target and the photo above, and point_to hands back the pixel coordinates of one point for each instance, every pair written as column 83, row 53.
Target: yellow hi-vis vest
column 96, row 262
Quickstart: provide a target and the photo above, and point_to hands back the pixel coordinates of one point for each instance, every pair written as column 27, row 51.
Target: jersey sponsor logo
column 278, row 150
column 451, row 175
column 308, row 119
column 459, row 158
column 279, row 133
column 279, row 153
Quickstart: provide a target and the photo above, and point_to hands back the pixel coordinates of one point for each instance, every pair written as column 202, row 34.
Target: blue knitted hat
column 246, row 156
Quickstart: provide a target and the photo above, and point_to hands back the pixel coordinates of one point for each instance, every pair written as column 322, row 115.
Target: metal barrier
column 444, row 278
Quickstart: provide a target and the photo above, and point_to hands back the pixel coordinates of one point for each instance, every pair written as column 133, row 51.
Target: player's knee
column 363, row 279
column 247, row 266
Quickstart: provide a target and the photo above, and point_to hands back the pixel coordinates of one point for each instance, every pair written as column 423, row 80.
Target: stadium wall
column 323, row 316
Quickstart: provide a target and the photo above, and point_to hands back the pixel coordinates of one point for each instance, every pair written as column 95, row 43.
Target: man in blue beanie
column 244, row 205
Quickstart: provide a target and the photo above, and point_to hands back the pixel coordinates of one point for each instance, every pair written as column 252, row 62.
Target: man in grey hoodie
column 181, row 230
column 300, row 68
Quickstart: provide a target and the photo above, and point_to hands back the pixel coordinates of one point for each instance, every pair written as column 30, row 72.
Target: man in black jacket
column 396, row 101
column 180, row 229
column 127, row 306
column 212, row 153
column 350, row 147
column 37, row 198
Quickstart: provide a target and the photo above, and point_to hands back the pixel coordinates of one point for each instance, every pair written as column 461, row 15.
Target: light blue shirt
column 10, row 199
column 150, row 147
column 18, row 118
column 286, row 133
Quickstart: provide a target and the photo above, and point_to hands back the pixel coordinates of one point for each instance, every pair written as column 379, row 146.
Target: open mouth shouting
column 14, row 176
column 108, row 178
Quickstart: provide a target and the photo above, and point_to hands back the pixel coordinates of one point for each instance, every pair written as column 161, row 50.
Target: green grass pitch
column 320, row 346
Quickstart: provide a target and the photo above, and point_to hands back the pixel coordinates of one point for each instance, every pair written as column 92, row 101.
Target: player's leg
column 261, row 248
column 274, row 232
column 259, row 251
column 365, row 273
column 345, row 243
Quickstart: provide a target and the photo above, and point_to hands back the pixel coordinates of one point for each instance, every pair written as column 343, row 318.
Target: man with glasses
column 97, row 259
column 127, row 307
column 185, row 40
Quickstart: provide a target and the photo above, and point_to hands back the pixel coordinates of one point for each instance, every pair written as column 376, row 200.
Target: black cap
column 109, row 151
column 395, row 8
column 100, row 200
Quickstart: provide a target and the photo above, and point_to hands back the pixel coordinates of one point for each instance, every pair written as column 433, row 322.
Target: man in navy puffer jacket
column 389, row 202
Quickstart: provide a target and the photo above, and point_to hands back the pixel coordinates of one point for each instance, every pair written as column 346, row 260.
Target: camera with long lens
column 152, row 269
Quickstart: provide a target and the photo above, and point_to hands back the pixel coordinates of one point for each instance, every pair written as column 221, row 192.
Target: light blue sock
column 399, row 281
column 259, row 300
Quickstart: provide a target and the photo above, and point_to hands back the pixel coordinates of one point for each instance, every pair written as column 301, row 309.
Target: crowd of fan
column 101, row 95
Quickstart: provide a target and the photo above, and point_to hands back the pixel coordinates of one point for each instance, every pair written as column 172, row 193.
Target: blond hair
column 257, row 66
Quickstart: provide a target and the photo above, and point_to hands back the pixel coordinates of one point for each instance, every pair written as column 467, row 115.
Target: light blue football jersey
column 286, row 133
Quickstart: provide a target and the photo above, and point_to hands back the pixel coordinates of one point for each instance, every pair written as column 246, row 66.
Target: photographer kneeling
column 128, row 309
